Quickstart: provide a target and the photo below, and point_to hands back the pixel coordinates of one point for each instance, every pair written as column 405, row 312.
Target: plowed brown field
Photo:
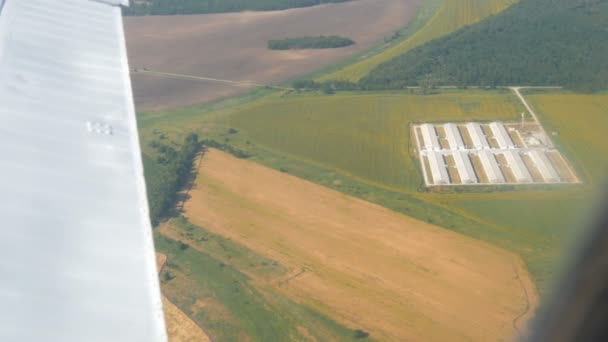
column 361, row 264
column 233, row 46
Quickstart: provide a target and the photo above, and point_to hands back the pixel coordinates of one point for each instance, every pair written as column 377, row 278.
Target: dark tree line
column 320, row 42
column 168, row 174
column 174, row 7
column 328, row 87
column 535, row 42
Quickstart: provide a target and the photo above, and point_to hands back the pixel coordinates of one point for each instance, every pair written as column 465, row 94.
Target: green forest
column 174, row 7
column 535, row 42
column 320, row 42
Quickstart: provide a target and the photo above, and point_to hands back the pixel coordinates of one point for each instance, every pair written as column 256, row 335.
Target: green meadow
column 359, row 144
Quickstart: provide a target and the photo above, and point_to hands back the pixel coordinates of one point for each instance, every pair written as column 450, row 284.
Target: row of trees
column 320, row 42
column 173, row 168
column 168, row 174
column 535, row 42
column 174, row 7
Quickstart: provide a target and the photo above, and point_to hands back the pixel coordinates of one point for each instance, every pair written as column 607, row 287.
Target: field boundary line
column 527, row 308
column 209, row 79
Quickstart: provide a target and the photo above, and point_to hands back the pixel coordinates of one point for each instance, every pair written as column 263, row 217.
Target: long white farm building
column 544, row 166
column 519, row 169
column 500, row 134
column 465, row 168
column 490, row 166
column 477, row 136
column 429, row 138
column 453, row 136
column 438, row 169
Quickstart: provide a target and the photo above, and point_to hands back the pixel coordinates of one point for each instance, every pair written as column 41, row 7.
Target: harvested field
column 420, row 281
column 233, row 46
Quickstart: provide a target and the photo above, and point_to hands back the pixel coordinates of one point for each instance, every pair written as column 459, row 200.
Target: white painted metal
column 502, row 137
column 545, row 167
column 477, row 136
column 438, row 168
column 76, row 249
column 519, row 169
column 429, row 137
column 464, row 167
column 490, row 167
column 453, row 136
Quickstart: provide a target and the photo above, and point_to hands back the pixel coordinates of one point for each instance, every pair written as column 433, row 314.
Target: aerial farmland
column 331, row 210
column 233, row 47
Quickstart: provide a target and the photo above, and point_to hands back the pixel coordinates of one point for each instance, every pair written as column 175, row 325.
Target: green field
column 366, row 136
column 451, row 16
column 358, row 143
column 208, row 277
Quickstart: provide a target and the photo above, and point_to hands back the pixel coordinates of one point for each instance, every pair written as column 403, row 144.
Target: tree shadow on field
column 183, row 194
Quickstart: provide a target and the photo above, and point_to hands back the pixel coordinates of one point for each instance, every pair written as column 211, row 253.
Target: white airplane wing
column 76, row 246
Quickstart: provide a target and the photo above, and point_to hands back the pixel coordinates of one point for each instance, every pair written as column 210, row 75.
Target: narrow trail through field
column 531, row 301
column 210, row 79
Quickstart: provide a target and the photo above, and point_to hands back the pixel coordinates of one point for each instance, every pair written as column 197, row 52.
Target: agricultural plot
column 451, row 16
column 365, row 135
column 233, row 46
column 228, row 290
column 354, row 143
column 499, row 160
column 347, row 257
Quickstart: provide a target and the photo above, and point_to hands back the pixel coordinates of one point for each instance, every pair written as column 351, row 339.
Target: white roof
column 520, row 171
column 429, row 137
column 544, row 166
column 490, row 167
column 477, row 136
column 438, row 168
column 76, row 249
column 502, row 137
column 465, row 168
column 453, row 136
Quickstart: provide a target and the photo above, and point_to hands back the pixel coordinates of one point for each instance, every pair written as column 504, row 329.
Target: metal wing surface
column 76, row 248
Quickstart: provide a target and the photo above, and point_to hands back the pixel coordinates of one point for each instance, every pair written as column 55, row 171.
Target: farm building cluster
column 489, row 153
